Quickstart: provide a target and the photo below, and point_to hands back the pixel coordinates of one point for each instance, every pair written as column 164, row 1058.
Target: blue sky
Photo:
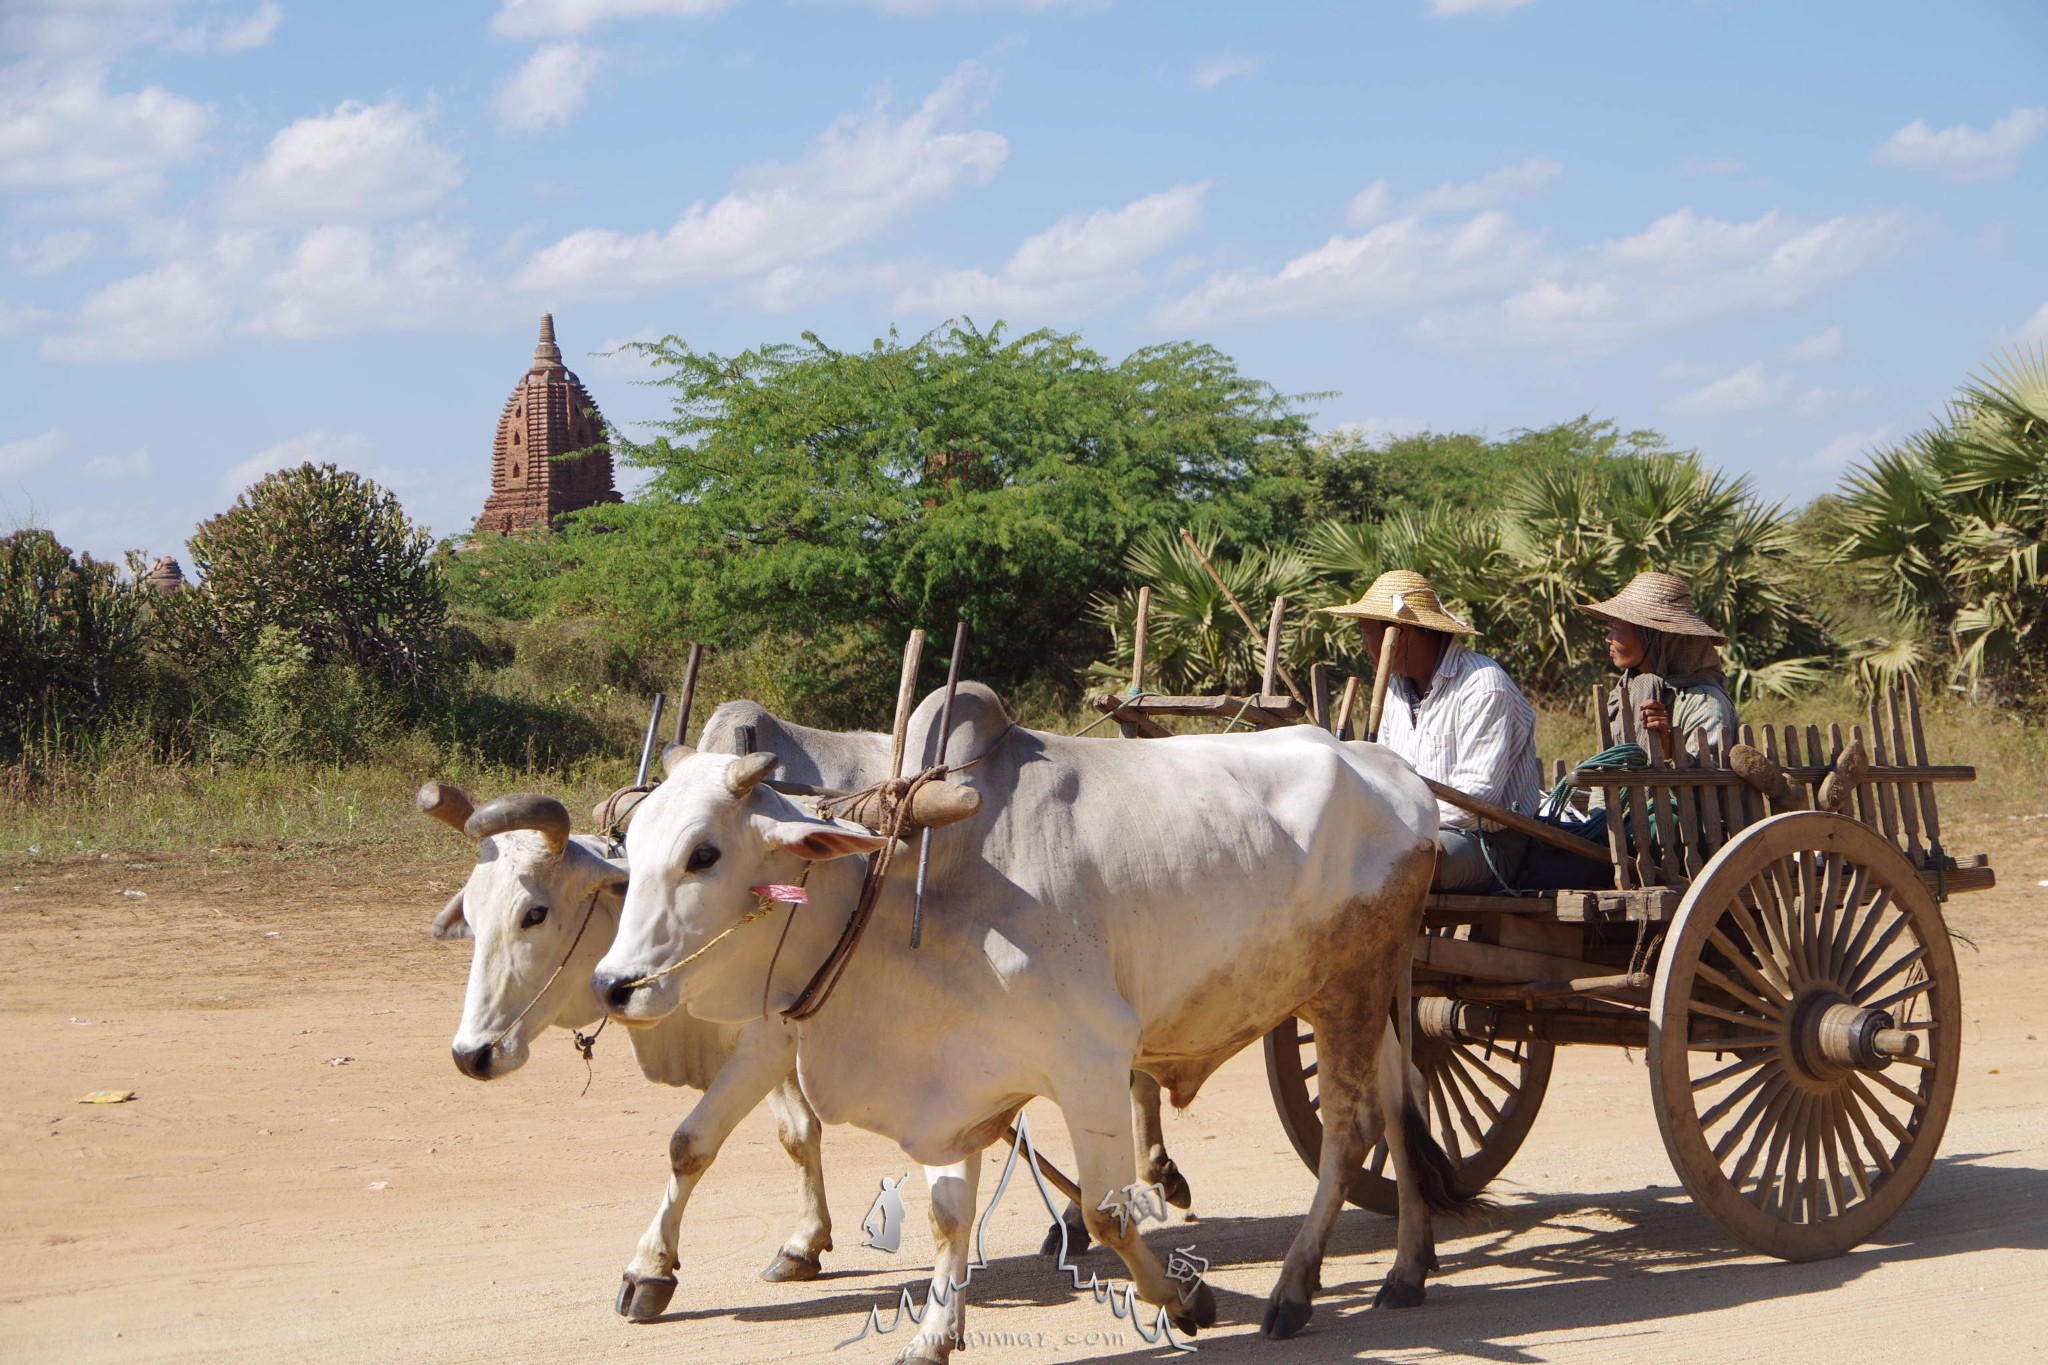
column 234, row 235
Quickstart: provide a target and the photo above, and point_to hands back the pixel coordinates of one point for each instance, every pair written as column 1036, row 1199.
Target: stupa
column 549, row 414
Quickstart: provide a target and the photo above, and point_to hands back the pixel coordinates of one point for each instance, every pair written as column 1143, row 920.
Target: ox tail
column 1435, row 1175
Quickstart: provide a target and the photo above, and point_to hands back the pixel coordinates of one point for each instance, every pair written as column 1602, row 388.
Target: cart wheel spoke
column 1799, row 940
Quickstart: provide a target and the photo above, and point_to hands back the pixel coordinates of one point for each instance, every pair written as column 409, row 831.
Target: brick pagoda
column 549, row 414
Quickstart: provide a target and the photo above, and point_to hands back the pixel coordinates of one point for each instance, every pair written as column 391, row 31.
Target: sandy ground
column 304, row 1175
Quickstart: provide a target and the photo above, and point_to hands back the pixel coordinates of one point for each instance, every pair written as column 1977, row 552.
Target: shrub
column 71, row 641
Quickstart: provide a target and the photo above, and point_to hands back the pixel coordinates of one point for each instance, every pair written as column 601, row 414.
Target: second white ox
column 1152, row 904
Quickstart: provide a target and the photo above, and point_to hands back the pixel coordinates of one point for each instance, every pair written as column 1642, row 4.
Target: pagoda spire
column 546, row 353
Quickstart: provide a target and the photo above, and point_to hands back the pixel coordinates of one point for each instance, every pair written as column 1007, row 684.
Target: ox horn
column 747, row 773
column 672, row 755
column 617, row 809
column 544, row 815
column 450, row 805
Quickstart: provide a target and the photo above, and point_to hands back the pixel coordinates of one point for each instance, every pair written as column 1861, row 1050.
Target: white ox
column 526, row 903
column 1153, row 904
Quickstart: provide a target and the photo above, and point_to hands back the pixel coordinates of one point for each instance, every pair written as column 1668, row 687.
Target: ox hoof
column 1078, row 1240
column 788, row 1267
column 1285, row 1317
column 642, row 1299
column 1198, row 1312
column 1175, row 1186
column 1399, row 1294
column 921, row 1352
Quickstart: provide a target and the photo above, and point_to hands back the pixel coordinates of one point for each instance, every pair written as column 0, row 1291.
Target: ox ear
column 818, row 840
column 450, row 922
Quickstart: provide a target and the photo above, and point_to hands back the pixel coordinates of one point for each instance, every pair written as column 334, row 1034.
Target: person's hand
column 1656, row 718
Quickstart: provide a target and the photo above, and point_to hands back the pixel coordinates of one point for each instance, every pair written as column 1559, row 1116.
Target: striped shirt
column 1474, row 731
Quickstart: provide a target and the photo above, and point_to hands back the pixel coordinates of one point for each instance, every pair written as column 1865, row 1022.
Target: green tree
column 71, row 640
column 330, row 559
column 832, row 499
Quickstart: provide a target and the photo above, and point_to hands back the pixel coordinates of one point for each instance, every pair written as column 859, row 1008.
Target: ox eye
column 535, row 917
column 701, row 857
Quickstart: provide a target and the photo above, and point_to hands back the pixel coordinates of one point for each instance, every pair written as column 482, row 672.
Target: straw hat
column 1402, row 598
column 1660, row 601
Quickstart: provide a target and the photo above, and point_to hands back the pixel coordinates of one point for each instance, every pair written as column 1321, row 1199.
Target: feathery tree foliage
column 1946, row 531
column 71, row 639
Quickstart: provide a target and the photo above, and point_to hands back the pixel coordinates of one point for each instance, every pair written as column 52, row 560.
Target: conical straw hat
column 1403, row 598
column 1660, row 601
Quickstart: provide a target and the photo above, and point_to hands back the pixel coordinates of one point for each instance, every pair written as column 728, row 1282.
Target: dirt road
column 304, row 1176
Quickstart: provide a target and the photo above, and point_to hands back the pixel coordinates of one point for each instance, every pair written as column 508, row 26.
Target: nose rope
column 762, row 909
column 506, row 1031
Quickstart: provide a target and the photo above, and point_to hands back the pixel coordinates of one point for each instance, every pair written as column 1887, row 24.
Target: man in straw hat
column 1457, row 718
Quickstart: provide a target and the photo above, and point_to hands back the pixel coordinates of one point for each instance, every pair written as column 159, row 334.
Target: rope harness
column 896, row 798
column 582, row 1045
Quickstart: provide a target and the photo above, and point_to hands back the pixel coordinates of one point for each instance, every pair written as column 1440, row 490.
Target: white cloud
column 16, row 318
column 924, row 9
column 61, row 128
column 1373, row 204
column 120, row 467
column 19, row 457
column 255, row 31
column 173, row 310
column 1816, row 402
column 553, row 18
column 1820, row 346
column 1210, row 74
column 327, row 281
column 1683, row 269
column 2036, row 327
column 1526, row 179
column 1077, row 265
column 549, row 89
column 1710, row 165
column 51, row 252
column 318, row 447
column 1850, row 445
column 358, row 164
column 1748, row 387
column 862, row 174
column 1962, row 152
column 1396, row 265
column 89, row 30
column 1443, row 8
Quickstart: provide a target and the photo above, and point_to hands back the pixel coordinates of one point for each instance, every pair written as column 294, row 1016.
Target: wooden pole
column 689, row 697
column 1319, row 694
column 924, row 848
column 647, row 745
column 1514, row 820
column 906, row 698
column 1345, row 706
column 1273, row 627
column 1237, row 606
column 1382, row 672
column 1139, row 631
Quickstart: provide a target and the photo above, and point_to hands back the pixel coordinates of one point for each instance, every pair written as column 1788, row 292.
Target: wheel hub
column 1832, row 1036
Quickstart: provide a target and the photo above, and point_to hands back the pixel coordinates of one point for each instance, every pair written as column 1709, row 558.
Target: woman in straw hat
column 1669, row 659
column 1458, row 718
column 1670, row 685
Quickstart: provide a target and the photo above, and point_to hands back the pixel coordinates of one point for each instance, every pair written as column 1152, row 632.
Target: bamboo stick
column 1880, row 757
column 688, row 700
column 906, row 698
column 1928, row 808
column 1140, row 629
column 1382, row 673
column 1345, row 706
column 1909, row 796
column 1273, row 627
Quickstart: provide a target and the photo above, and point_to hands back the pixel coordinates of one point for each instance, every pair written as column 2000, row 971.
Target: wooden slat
column 1710, row 777
column 1319, row 694
column 1928, row 809
column 1686, row 847
column 1710, row 800
column 1271, row 676
column 1655, row 904
column 1491, row 962
column 1909, row 795
column 1752, row 804
column 1141, row 629
column 1866, row 795
column 1617, row 834
column 1887, row 809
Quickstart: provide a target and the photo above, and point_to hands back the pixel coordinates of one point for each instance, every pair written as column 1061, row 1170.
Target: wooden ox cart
column 1785, row 970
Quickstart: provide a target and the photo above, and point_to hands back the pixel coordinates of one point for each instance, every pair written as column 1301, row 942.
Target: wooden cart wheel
column 1805, row 1034
column 1479, row 1097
